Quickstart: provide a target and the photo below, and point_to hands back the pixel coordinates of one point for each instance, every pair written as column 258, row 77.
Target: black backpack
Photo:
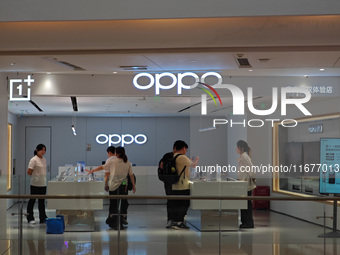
column 168, row 173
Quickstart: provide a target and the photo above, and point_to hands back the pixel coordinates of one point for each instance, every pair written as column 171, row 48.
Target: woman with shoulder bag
column 116, row 184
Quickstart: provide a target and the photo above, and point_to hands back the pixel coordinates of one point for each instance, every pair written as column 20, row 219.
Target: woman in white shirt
column 244, row 161
column 116, row 172
column 37, row 171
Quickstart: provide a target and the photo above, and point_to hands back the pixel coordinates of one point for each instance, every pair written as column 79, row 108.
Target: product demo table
column 205, row 214
column 78, row 213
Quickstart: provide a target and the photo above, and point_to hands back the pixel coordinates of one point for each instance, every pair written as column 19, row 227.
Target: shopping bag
column 55, row 225
column 62, row 218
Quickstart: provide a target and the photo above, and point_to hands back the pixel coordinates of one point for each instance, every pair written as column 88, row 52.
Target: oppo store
column 94, row 76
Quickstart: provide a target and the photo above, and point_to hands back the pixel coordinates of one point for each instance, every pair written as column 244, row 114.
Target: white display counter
column 55, row 187
column 71, row 182
column 78, row 213
column 205, row 214
column 147, row 184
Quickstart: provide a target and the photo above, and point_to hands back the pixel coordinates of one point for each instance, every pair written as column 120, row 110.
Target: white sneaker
column 169, row 224
column 32, row 222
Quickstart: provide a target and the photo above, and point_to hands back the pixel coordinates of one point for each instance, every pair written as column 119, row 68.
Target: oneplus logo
column 20, row 89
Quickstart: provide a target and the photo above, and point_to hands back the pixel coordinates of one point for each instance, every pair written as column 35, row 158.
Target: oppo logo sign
column 124, row 139
column 176, row 80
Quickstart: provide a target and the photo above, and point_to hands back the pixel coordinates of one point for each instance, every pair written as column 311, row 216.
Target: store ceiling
column 274, row 46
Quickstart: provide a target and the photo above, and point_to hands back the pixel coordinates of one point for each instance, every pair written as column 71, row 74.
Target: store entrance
column 35, row 136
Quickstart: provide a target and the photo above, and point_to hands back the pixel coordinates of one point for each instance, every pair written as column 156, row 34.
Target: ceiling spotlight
column 114, row 72
column 250, row 70
column 73, row 130
column 322, row 69
column 12, row 64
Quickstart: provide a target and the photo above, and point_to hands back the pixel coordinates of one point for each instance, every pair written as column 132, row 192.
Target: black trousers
column 170, row 204
column 247, row 214
column 114, row 206
column 181, row 206
column 41, row 204
column 124, row 203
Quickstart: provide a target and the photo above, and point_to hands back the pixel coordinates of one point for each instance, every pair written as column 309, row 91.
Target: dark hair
column 120, row 152
column 39, row 147
column 179, row 144
column 243, row 146
column 111, row 149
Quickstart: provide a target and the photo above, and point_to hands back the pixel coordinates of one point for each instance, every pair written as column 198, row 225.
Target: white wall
column 12, row 119
column 37, row 10
column 161, row 132
column 235, row 133
column 211, row 146
column 3, row 152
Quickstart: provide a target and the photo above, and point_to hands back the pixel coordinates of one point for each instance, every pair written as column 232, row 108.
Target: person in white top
column 111, row 153
column 182, row 188
column 116, row 167
column 37, row 172
column 244, row 160
column 116, row 184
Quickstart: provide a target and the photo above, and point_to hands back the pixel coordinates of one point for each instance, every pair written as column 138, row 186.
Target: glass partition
column 298, row 151
column 275, row 231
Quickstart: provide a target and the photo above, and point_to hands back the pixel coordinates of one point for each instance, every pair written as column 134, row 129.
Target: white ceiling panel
column 293, row 45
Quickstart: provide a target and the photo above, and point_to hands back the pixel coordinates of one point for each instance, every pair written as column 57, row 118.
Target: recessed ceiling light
column 12, row 64
column 250, row 70
column 134, row 68
column 322, row 69
column 114, row 72
column 265, row 60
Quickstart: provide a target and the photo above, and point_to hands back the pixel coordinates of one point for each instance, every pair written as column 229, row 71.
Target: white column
column 3, row 151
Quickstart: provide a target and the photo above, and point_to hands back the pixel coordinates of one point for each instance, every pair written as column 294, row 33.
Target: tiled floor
column 274, row 234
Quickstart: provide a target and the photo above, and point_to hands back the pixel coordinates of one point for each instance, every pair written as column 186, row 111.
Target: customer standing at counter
column 116, row 167
column 182, row 188
column 115, row 183
column 170, row 206
column 37, row 172
column 111, row 153
column 243, row 161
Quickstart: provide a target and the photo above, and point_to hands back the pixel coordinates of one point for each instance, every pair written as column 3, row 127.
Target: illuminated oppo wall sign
column 237, row 95
column 176, row 80
column 123, row 139
column 18, row 90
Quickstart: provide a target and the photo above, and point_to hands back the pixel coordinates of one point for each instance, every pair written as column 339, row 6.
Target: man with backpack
column 175, row 171
column 167, row 186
